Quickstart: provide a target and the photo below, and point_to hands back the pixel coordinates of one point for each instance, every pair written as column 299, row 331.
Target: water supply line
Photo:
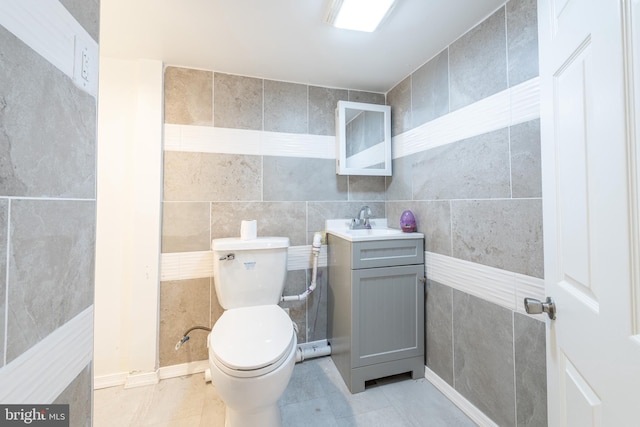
column 185, row 336
column 315, row 250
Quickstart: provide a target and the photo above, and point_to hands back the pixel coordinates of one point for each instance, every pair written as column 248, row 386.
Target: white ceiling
column 286, row 39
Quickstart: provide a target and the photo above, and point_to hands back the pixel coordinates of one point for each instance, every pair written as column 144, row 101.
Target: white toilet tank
column 249, row 272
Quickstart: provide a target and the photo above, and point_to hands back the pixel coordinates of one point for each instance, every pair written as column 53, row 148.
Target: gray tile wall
column 207, row 195
column 530, row 359
column 483, row 356
column 285, row 107
column 481, row 171
column 488, row 197
column 78, row 396
column 87, row 13
column 505, row 234
column 498, row 53
column 492, row 356
column 47, row 201
column 478, row 62
column 322, row 103
column 50, row 159
column 478, row 199
column 522, row 40
column 188, row 96
column 51, row 268
column 427, row 84
column 184, row 304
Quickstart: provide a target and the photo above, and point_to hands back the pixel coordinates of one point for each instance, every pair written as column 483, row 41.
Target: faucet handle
column 365, row 212
column 363, row 217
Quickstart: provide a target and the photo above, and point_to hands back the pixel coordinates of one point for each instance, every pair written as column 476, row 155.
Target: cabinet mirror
column 363, row 139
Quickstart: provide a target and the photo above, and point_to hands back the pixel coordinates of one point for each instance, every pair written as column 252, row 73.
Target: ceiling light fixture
column 358, row 15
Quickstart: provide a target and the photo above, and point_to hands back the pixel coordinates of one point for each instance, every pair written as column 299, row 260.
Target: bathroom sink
column 378, row 231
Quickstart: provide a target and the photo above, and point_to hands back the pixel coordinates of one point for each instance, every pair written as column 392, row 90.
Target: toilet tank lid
column 237, row 244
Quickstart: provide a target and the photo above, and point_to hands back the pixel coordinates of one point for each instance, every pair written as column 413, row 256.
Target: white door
column 590, row 212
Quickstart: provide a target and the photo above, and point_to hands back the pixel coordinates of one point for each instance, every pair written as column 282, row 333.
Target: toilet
column 252, row 346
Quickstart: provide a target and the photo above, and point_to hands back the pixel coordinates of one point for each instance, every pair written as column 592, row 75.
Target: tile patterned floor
column 316, row 396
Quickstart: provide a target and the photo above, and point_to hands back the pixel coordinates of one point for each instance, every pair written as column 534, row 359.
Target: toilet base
column 253, row 401
column 268, row 417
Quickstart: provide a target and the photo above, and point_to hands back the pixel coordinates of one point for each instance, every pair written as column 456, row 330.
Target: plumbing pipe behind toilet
column 315, row 250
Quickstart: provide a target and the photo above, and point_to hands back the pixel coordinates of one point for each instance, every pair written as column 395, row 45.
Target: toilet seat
column 251, row 341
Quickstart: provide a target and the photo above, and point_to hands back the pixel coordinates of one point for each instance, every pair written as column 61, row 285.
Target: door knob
column 534, row 306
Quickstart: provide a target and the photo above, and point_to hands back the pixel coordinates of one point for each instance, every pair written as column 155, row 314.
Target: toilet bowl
column 251, row 357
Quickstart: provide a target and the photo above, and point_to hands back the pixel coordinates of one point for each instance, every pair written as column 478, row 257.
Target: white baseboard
column 126, row 380
column 111, row 380
column 141, row 379
column 459, row 400
column 149, row 378
column 183, row 369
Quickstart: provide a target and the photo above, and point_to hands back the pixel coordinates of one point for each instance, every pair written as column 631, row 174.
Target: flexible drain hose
column 315, row 250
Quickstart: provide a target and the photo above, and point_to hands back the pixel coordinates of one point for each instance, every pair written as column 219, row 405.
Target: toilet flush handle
column 228, row 257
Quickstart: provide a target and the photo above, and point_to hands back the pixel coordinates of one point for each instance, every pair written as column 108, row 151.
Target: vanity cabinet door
column 388, row 314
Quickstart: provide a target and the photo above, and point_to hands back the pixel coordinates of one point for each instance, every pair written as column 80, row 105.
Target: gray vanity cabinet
column 376, row 308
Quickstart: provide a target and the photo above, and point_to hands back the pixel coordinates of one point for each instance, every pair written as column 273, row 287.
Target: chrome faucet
column 362, row 221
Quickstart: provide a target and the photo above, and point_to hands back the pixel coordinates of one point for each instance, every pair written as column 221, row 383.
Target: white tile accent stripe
column 501, row 287
column 509, row 107
column 493, row 285
column 207, row 139
column 50, row 30
column 41, row 373
column 194, row 265
column 186, row 265
column 298, row 145
column 525, row 101
column 518, row 104
column 301, row 258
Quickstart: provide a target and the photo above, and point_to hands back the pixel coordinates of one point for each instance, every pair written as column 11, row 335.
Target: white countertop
column 378, row 231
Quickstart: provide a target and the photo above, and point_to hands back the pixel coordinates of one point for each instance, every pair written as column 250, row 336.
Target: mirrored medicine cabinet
column 363, row 133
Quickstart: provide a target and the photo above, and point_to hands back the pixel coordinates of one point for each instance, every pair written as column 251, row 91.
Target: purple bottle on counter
column 408, row 222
